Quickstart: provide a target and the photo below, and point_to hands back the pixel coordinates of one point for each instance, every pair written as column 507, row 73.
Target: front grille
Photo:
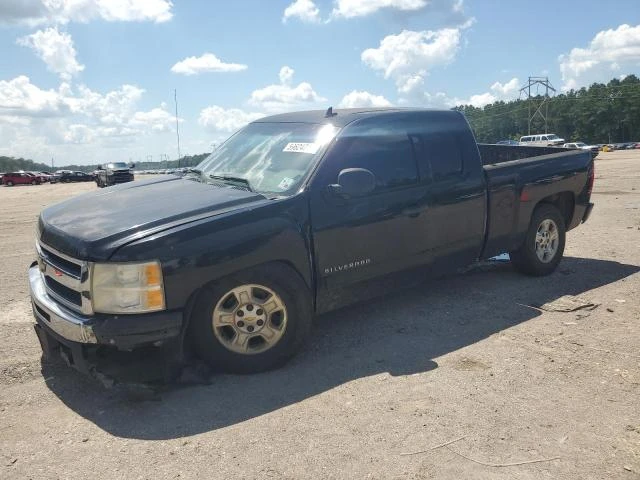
column 66, row 279
column 121, row 177
column 70, row 268
column 59, row 290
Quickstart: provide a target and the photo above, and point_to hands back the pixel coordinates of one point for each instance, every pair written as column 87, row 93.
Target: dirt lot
column 465, row 359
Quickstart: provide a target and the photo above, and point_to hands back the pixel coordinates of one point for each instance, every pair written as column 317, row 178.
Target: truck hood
column 92, row 226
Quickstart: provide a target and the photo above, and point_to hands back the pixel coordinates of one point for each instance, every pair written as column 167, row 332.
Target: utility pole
column 538, row 103
column 175, row 98
column 51, row 163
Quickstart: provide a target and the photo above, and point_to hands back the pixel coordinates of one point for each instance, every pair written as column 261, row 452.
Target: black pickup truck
column 114, row 173
column 231, row 262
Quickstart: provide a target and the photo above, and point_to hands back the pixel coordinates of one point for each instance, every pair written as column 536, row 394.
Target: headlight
column 127, row 287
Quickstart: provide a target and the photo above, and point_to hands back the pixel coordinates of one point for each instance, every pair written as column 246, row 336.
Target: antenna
column 329, row 113
column 175, row 97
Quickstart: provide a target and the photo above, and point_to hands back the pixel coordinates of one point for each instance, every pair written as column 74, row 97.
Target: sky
column 90, row 81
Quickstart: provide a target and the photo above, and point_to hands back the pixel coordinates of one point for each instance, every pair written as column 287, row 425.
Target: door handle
column 414, row 210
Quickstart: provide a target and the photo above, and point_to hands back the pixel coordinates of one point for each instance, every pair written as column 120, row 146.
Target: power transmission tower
column 537, row 95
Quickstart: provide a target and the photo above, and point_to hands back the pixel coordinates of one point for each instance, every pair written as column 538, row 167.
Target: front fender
column 203, row 251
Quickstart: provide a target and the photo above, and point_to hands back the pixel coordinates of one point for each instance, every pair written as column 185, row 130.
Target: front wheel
column 251, row 321
column 543, row 246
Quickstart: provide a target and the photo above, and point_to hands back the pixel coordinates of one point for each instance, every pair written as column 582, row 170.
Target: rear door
column 457, row 194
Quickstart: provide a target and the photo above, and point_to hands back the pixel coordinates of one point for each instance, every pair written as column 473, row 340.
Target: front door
column 368, row 236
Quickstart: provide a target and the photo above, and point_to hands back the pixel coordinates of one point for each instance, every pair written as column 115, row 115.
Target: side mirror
column 354, row 182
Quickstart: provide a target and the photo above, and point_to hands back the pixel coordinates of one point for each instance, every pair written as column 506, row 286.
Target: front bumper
column 125, row 332
column 109, row 348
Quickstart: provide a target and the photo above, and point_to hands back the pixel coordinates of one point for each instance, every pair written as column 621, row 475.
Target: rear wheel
column 544, row 243
column 9, row 183
column 251, row 321
column 33, row 182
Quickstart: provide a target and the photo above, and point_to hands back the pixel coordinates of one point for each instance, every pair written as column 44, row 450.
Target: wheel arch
column 280, row 264
column 565, row 202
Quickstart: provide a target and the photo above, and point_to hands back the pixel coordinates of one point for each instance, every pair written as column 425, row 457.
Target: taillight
column 592, row 177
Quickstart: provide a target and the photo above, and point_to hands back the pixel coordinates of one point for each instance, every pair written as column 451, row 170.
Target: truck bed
column 493, row 154
column 519, row 178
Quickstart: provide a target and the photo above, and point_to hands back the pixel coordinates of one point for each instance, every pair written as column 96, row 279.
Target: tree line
column 11, row 164
column 601, row 113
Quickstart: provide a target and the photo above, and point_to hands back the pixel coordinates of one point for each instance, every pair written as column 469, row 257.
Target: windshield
column 273, row 158
column 117, row 165
column 580, row 144
column 552, row 137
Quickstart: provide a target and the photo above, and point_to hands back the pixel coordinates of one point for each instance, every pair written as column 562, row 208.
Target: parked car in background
column 20, row 178
column 37, row 175
column 508, row 142
column 114, row 173
column 50, row 176
column 594, row 149
column 542, row 140
column 607, row 148
column 69, row 176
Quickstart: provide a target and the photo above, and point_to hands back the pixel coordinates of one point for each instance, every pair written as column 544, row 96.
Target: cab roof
column 340, row 116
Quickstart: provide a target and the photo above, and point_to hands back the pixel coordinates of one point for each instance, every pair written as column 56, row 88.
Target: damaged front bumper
column 86, row 342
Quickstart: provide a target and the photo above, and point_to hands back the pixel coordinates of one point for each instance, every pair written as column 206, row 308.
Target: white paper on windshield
column 302, row 147
column 286, row 183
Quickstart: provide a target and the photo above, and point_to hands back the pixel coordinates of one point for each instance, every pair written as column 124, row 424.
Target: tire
column 539, row 255
column 9, row 183
column 33, row 182
column 288, row 324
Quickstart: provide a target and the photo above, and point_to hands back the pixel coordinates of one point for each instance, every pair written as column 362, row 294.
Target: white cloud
column 360, row 8
column 34, row 12
column 284, row 96
column 113, row 108
column 609, row 51
column 77, row 124
column 217, row 118
column 414, row 94
column 56, row 50
column 286, row 75
column 158, row 119
column 363, row 99
column 20, row 98
column 408, row 56
column 305, row 10
column 498, row 91
column 208, row 62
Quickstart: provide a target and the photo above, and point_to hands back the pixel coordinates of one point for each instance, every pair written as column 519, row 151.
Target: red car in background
column 20, row 178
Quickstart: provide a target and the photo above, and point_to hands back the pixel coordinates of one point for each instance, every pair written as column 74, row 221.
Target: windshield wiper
column 231, row 179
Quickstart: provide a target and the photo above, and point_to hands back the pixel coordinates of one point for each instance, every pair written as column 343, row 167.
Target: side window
column 388, row 155
column 444, row 154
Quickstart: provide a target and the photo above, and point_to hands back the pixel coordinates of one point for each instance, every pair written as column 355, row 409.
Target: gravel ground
column 469, row 359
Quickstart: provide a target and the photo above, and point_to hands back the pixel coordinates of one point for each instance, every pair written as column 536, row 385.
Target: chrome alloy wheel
column 547, row 240
column 249, row 319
